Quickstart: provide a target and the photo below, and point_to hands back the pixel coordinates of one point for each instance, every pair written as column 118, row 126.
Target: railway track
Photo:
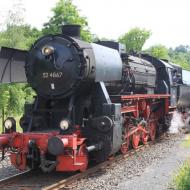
column 35, row 180
column 64, row 184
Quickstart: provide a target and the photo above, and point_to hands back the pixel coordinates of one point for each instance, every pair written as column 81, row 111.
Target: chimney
column 71, row 30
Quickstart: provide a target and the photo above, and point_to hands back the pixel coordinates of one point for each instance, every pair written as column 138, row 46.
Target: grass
column 18, row 128
column 186, row 142
column 181, row 180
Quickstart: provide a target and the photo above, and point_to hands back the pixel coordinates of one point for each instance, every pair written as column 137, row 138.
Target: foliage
column 181, row 56
column 186, row 142
column 4, row 97
column 21, row 36
column 29, row 93
column 13, row 98
column 135, row 39
column 16, row 100
column 16, row 34
column 182, row 48
column 159, row 51
column 181, row 180
column 66, row 13
column 18, row 94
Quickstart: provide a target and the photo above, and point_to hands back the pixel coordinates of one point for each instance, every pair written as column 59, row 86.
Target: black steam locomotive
column 93, row 100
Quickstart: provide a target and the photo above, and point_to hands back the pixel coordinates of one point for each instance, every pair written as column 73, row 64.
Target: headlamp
column 10, row 123
column 64, row 124
column 47, row 50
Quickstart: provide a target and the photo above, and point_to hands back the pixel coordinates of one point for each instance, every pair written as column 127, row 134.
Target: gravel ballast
column 149, row 169
column 6, row 170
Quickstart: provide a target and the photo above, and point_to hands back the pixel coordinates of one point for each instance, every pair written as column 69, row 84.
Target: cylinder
column 91, row 148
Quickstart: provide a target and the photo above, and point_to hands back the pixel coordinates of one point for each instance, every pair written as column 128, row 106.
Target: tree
column 16, row 100
column 135, row 39
column 159, row 51
column 4, row 97
column 181, row 56
column 66, row 13
column 181, row 60
column 16, row 34
column 182, row 48
column 21, row 37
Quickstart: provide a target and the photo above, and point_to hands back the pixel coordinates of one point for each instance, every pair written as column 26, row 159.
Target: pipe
column 91, row 148
column 94, row 147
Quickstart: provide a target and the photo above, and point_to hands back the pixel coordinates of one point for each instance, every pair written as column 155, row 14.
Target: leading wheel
column 125, row 146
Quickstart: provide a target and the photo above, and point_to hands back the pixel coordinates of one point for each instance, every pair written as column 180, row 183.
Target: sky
column 168, row 20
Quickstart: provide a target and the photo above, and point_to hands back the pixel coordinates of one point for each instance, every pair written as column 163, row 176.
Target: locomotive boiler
column 92, row 101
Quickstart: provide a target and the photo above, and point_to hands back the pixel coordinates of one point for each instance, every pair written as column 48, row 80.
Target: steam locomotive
column 93, row 100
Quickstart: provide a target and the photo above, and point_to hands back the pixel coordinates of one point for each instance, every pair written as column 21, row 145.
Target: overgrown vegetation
column 182, row 178
column 186, row 142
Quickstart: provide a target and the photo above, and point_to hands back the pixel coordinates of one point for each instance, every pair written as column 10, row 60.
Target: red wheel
column 144, row 138
column 124, row 148
column 152, row 130
column 135, row 140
